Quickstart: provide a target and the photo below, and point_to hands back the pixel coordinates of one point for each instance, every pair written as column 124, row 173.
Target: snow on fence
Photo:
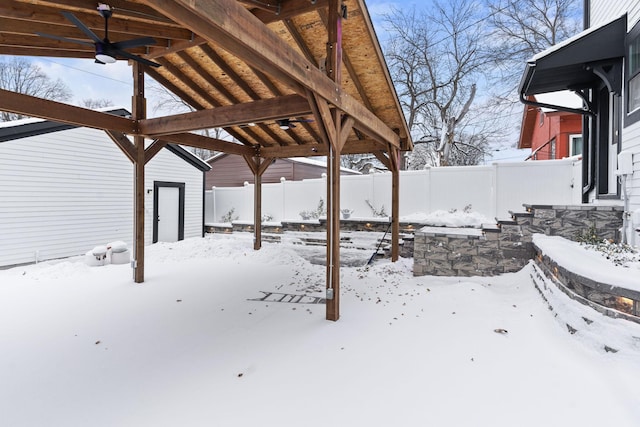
column 491, row 190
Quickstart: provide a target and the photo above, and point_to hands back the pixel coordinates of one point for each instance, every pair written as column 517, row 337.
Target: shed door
column 168, row 210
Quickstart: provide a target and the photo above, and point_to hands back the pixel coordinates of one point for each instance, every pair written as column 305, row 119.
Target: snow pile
column 454, row 218
column 585, row 261
column 86, row 346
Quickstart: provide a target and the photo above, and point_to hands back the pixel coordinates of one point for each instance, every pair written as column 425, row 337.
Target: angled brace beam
column 153, row 149
column 123, row 144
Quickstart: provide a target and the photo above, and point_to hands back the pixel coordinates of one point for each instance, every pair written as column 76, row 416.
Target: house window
column 575, row 145
column 632, row 75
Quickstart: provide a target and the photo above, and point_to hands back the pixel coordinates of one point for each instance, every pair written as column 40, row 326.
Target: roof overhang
column 579, row 62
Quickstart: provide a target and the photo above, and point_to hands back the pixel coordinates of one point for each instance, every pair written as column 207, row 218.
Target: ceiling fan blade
column 134, row 57
column 71, row 17
column 65, row 39
column 127, row 44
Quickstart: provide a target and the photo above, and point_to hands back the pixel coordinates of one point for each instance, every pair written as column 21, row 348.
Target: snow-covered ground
column 85, row 346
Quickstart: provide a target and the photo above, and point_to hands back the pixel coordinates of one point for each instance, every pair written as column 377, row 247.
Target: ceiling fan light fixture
column 105, row 58
column 284, row 124
column 102, row 56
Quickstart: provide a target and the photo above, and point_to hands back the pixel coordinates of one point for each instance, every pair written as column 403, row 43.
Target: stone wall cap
column 451, row 231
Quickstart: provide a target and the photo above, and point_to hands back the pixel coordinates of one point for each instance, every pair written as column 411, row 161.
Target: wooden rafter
column 214, row 144
column 118, row 28
column 299, row 40
column 277, row 92
column 243, row 85
column 190, row 100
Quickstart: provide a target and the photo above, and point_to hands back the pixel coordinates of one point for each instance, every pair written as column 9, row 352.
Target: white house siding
column 603, row 11
column 62, row 193
column 631, row 142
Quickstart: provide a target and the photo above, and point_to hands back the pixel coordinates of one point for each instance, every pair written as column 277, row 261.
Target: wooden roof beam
column 224, row 23
column 63, row 113
column 201, row 141
column 123, row 8
column 229, row 115
column 356, row 147
column 288, row 9
column 29, row 51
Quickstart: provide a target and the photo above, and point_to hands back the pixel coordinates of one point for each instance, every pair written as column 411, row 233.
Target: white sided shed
column 66, row 189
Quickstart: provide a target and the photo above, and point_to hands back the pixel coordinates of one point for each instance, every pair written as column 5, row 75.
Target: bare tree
column 96, row 103
column 436, row 60
column 523, row 28
column 165, row 100
column 22, row 76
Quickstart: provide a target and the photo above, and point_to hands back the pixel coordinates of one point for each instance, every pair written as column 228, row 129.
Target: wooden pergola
column 242, row 65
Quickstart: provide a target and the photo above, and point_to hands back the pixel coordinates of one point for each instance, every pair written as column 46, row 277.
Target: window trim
column 630, row 117
column 572, row 138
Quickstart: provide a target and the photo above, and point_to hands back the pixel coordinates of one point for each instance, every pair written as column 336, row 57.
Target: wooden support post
column 257, row 211
column 139, row 112
column 394, row 160
column 395, row 211
column 333, row 126
column 333, row 234
column 258, row 166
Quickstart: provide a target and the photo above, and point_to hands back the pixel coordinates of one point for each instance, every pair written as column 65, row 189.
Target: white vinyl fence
column 490, row 190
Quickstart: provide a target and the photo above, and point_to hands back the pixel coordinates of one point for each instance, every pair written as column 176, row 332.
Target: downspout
column 204, row 201
column 586, row 14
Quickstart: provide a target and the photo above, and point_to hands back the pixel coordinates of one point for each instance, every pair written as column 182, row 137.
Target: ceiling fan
column 286, row 124
column 106, row 51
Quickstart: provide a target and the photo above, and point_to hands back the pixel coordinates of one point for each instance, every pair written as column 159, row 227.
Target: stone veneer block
column 437, row 256
column 485, row 262
column 542, row 222
column 544, row 214
column 491, row 236
column 573, row 214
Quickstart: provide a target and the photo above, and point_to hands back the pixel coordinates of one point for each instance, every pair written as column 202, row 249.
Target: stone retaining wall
column 476, row 253
column 507, row 248
column 608, row 299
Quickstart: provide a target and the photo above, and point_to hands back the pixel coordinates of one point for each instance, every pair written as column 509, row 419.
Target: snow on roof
column 563, row 98
column 302, row 160
column 570, row 40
